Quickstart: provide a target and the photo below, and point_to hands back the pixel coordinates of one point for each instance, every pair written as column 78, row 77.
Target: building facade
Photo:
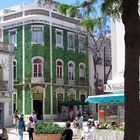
column 6, row 84
column 50, row 64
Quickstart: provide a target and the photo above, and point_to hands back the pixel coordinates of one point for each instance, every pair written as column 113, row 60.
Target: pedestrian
column 79, row 122
column 92, row 120
column 4, row 135
column 101, row 115
column 34, row 116
column 21, row 127
column 30, row 128
column 16, row 117
column 24, row 129
column 79, row 118
column 68, row 132
column 88, row 132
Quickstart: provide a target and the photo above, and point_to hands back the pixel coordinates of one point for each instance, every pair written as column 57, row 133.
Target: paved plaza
column 101, row 134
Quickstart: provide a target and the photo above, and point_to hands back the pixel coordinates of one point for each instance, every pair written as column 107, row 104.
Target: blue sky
column 9, row 3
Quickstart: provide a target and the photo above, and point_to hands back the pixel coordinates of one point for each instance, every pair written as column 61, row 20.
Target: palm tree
column 128, row 10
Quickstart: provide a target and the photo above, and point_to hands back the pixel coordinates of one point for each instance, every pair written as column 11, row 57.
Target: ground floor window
column 59, row 102
column 14, row 103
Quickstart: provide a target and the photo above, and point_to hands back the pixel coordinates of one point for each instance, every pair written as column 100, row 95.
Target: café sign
column 114, row 87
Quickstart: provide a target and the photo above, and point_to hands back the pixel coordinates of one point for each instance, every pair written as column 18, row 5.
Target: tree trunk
column 131, row 22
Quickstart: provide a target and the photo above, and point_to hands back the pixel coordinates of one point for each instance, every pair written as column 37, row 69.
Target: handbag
column 30, row 130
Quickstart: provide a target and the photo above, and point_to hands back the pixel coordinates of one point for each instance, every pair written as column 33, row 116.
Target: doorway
column 1, row 114
column 38, row 108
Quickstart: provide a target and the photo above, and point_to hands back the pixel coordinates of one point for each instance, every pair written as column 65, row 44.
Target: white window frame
column 41, row 41
column 59, row 45
column 72, row 34
column 57, row 66
column 1, row 35
column 1, row 72
column 37, row 67
column 15, row 69
column 82, row 44
column 71, row 70
column 13, row 38
column 82, row 73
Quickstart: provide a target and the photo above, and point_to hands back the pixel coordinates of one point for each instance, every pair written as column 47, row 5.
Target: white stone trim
column 59, row 45
column 23, row 68
column 73, row 34
column 37, row 26
column 15, row 45
column 42, row 59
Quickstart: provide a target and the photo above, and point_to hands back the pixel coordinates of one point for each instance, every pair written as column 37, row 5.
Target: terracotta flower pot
column 47, row 136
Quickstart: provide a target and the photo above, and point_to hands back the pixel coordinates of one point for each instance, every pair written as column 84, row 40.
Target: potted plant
column 47, row 130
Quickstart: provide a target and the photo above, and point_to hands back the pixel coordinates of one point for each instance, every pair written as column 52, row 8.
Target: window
column 37, row 35
column 15, row 70
column 71, row 71
column 71, row 97
column 14, row 102
column 59, row 38
column 1, row 73
column 13, row 37
column 71, row 41
column 37, row 68
column 59, row 69
column 59, row 102
column 1, row 34
column 82, row 70
column 83, row 97
column 81, row 43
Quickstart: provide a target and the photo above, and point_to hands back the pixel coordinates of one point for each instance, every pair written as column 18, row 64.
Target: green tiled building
column 50, row 63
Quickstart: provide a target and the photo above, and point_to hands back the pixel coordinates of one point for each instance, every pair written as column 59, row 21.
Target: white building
column 118, row 51
column 6, row 84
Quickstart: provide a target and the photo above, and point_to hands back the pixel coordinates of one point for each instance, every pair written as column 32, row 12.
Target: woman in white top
column 30, row 128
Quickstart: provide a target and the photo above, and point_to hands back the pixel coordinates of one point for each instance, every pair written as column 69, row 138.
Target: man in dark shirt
column 68, row 132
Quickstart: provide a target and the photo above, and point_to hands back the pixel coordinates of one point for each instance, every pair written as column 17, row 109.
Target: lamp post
column 104, row 65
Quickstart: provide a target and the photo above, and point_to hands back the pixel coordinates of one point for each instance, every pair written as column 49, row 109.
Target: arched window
column 71, row 71
column 14, row 69
column 1, row 73
column 72, row 97
column 82, row 70
column 59, row 69
column 59, row 101
column 37, row 67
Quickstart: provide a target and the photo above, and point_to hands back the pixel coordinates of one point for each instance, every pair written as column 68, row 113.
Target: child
column 89, row 132
column 68, row 132
column 4, row 135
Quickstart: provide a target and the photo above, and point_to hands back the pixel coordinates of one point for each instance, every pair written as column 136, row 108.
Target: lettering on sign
column 114, row 87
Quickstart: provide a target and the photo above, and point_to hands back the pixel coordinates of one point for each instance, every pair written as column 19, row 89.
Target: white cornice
column 41, row 19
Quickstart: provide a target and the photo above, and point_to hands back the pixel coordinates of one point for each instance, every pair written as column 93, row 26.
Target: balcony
column 3, row 85
column 71, row 82
column 59, row 81
column 82, row 81
column 37, row 79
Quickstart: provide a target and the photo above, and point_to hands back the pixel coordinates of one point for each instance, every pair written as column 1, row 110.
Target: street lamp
column 104, row 65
